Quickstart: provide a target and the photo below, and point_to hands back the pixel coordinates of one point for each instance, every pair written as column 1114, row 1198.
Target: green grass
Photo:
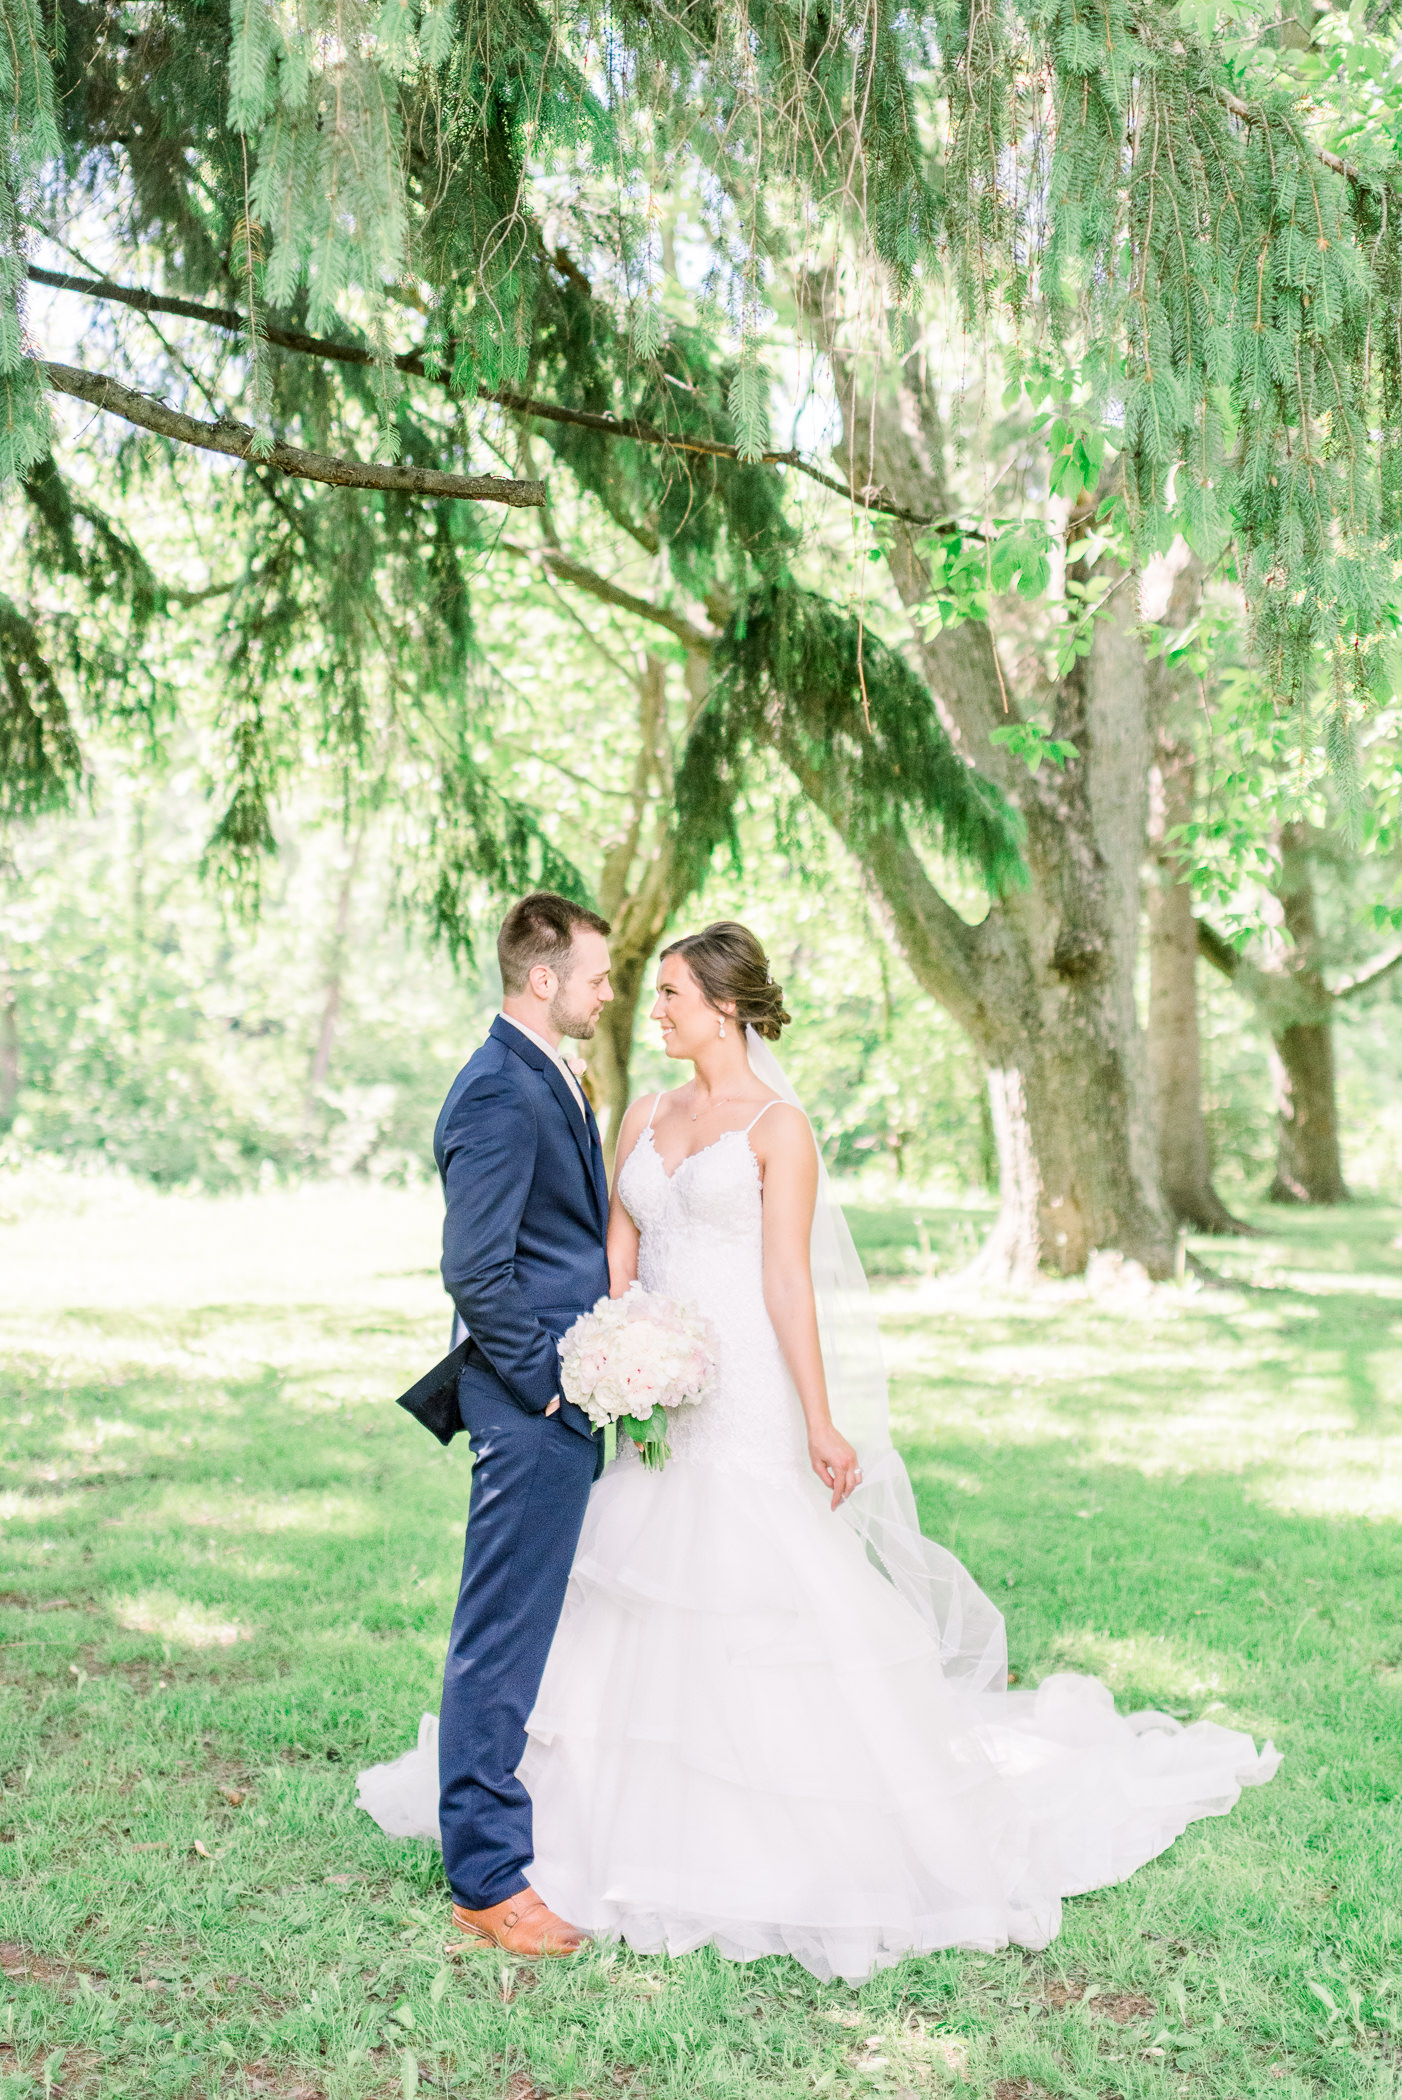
column 923, row 1239
column 228, row 1569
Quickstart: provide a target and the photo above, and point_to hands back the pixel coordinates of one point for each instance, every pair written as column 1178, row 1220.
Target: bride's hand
column 835, row 1462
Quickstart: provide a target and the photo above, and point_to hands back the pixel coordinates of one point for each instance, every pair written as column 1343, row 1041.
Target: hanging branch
column 411, row 361
column 1247, row 115
column 1369, row 978
column 700, row 640
column 238, row 441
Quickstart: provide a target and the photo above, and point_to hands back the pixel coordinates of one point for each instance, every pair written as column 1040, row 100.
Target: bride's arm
column 790, row 1162
column 623, row 1233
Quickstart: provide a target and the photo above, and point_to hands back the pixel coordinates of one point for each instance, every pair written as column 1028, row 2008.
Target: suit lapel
column 585, row 1134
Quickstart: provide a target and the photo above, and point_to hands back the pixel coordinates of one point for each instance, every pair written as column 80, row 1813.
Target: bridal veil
column 968, row 1625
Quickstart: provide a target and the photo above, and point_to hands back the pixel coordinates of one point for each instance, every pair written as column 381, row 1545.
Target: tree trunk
column 1012, row 1251
column 1308, row 1168
column 637, row 895
column 1174, row 1044
column 335, row 976
column 1066, row 1089
column 1044, row 986
column 1307, row 1164
column 1296, row 1007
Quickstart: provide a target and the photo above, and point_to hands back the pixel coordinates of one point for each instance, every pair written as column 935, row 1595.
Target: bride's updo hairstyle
column 729, row 965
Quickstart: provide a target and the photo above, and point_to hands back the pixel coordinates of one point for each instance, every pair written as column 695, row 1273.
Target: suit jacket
column 527, row 1211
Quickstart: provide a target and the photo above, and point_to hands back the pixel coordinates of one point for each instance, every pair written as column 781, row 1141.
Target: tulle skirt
column 744, row 1738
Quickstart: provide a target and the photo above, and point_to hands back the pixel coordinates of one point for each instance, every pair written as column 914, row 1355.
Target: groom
column 523, row 1255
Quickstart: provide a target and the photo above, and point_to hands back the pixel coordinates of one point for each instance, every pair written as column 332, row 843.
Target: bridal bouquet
column 631, row 1359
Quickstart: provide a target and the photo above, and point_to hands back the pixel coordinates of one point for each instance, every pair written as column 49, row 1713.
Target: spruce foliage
column 796, row 673
column 1092, row 167
column 39, row 758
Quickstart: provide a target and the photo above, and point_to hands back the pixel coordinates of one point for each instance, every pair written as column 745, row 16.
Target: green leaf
column 409, row 2075
column 1034, row 577
column 1031, row 743
column 439, row 1985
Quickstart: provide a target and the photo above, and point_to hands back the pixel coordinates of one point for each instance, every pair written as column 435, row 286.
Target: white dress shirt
column 557, row 1059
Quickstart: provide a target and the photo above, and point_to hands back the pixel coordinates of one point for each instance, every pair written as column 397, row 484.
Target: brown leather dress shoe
column 524, row 1924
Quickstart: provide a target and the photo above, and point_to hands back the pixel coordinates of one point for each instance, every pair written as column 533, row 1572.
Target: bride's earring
column 722, row 1024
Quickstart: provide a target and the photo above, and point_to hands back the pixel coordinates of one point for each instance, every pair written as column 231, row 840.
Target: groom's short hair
column 541, row 929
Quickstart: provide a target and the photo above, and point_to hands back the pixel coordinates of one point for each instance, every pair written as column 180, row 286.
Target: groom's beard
column 578, row 1027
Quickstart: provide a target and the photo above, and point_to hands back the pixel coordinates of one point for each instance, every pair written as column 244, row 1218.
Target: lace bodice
column 701, row 1241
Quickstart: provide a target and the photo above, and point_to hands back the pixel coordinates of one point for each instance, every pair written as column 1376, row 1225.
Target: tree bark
column 1296, row 1007
column 1064, row 1066
column 1308, row 1168
column 411, row 361
column 320, row 1068
column 1174, row 1041
column 640, row 887
column 238, row 441
column 1044, row 985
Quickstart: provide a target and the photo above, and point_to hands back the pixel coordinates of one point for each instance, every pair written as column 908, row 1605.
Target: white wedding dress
column 745, row 1734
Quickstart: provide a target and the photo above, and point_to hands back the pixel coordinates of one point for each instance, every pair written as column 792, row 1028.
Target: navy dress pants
column 530, row 1485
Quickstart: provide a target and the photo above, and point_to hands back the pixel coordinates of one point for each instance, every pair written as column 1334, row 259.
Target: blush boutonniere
column 580, row 1070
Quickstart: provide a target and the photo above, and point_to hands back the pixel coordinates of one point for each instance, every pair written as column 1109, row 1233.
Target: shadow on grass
column 225, row 1588
column 1186, row 1592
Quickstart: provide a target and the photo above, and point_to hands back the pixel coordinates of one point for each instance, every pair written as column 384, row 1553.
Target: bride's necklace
column 721, row 1101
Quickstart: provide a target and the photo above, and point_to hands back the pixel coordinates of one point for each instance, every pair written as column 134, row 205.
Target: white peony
column 634, row 1354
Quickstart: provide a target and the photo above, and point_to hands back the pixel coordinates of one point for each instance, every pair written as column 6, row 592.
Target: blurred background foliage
column 151, row 1031
column 272, row 754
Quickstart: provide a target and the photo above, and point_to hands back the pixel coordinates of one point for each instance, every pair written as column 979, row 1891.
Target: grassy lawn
column 229, row 1564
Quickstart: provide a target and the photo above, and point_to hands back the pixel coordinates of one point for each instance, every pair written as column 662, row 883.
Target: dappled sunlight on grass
column 1296, row 1391
column 1155, row 1664
column 176, row 1619
column 343, row 1514
column 31, row 1508
column 1365, row 1482
column 1191, row 1492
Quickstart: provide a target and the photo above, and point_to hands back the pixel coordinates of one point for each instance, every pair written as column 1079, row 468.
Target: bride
column 775, row 1717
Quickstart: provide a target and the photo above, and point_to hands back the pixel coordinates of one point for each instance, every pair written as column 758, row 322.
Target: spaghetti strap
column 653, row 1110
column 763, row 1112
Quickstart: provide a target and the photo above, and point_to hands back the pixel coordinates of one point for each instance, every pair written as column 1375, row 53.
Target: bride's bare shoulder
column 783, row 1128
column 783, row 1115
column 646, row 1105
column 636, row 1118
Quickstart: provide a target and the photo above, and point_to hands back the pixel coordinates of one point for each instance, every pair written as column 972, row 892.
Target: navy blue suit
column 523, row 1257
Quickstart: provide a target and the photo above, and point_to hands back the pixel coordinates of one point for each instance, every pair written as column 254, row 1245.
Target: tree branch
column 1369, row 978
column 568, row 570
column 1283, row 997
column 1221, row 954
column 943, row 949
column 1248, row 115
column 237, row 441
column 226, row 317
column 898, row 442
column 411, row 361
